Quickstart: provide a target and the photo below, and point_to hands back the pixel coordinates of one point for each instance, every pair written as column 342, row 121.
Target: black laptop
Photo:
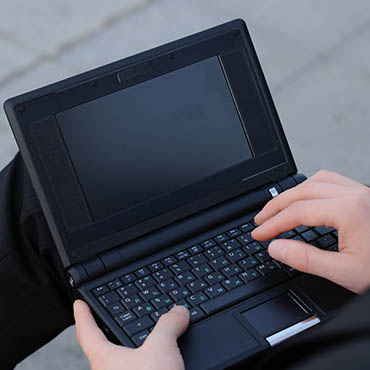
column 150, row 171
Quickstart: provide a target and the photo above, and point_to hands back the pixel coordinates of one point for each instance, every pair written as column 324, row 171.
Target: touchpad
column 215, row 342
column 277, row 314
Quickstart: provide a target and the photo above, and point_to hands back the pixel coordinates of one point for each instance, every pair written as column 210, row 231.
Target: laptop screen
column 153, row 138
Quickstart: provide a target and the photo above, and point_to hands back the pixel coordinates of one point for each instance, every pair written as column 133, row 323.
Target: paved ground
column 315, row 55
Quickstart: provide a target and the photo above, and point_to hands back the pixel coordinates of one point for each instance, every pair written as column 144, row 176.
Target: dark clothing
column 35, row 304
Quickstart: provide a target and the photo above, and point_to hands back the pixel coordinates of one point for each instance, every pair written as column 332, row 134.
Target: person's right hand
column 325, row 199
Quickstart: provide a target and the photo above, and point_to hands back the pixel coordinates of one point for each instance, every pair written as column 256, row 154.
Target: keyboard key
column 214, row 252
column 233, row 233
column 138, row 325
column 214, row 291
column 333, row 248
column 163, row 275
column 125, row 317
column 301, row 229
column 287, row 235
column 253, row 248
column 129, row 278
column 230, row 245
column 167, row 286
column 196, row 314
column 309, row 236
column 182, row 302
column 271, row 265
column 157, row 314
column 115, row 284
column 109, row 298
column 179, row 293
column 245, row 238
column 215, row 277
column 142, row 272
column 326, row 241
column 197, row 286
column 219, row 263
column 232, row 283
column 143, row 309
column 245, row 228
column 180, row 267
column 210, row 243
column 323, row 230
column 115, row 308
column 127, row 290
column 131, row 302
column 248, row 263
column 262, row 256
column 235, row 255
column 100, row 290
column 197, row 298
column 195, row 249
column 197, row 260
column 161, row 301
column 220, row 238
column 184, row 278
column 183, row 255
column 263, row 269
column 145, row 282
column 250, row 275
column 243, row 292
column 290, row 271
column 202, row 270
column 150, row 293
column 265, row 243
column 299, row 238
column 139, row 338
column 156, row 266
column 231, row 270
column 169, row 260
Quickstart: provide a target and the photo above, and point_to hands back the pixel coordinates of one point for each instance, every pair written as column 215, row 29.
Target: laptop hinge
column 182, row 230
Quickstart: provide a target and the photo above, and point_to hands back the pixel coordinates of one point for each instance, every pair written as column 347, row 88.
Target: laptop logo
column 274, row 193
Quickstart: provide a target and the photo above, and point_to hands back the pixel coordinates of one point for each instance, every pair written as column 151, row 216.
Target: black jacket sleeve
column 35, row 304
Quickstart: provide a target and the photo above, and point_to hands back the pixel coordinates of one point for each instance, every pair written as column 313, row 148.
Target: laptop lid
column 133, row 146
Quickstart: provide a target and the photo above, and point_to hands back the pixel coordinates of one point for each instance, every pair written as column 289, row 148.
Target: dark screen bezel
column 99, row 236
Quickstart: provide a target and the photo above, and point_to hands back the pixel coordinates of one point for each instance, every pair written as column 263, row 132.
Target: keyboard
column 207, row 277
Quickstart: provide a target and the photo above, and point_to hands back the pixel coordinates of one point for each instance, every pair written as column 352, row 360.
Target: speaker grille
column 60, row 173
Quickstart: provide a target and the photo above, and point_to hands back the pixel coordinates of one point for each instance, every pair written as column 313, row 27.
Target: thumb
column 169, row 327
column 308, row 258
column 92, row 340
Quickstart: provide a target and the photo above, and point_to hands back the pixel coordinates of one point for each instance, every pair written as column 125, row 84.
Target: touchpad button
column 276, row 314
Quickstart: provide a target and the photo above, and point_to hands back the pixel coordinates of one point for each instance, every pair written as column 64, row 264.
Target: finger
column 169, row 327
column 306, row 190
column 309, row 259
column 333, row 178
column 304, row 212
column 91, row 338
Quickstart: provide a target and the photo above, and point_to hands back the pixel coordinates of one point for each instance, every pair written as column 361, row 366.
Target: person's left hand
column 159, row 351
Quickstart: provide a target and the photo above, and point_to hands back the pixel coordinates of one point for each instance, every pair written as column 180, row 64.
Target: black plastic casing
column 273, row 161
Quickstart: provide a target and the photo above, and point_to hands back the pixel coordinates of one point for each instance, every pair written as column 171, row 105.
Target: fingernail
column 180, row 309
column 277, row 249
column 256, row 229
